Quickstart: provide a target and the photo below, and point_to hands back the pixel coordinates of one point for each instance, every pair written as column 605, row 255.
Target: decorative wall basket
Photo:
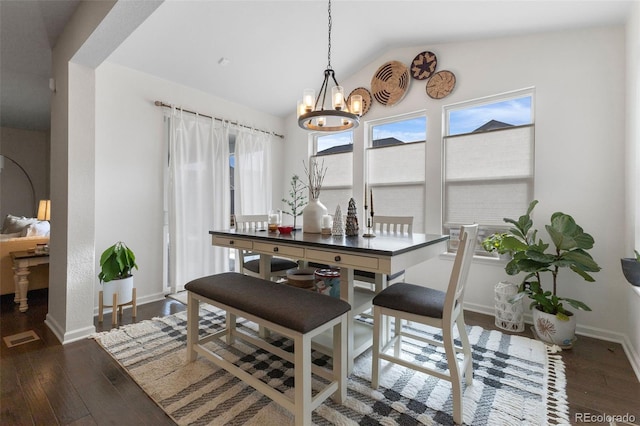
column 366, row 99
column 390, row 83
column 424, row 65
column 509, row 316
column 441, row 84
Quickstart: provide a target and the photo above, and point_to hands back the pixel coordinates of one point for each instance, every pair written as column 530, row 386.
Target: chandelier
column 312, row 114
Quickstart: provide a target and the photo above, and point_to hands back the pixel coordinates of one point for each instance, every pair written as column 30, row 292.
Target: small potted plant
column 297, row 201
column 553, row 322
column 631, row 269
column 117, row 263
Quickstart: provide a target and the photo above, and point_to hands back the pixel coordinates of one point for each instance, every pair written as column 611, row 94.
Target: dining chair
column 435, row 308
column 385, row 225
column 250, row 262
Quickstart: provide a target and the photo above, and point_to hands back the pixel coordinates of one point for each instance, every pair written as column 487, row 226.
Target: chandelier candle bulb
column 337, row 93
column 356, row 104
column 307, row 99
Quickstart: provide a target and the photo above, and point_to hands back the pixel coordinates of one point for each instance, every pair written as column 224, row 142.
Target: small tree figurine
column 338, row 226
column 352, row 219
column 297, row 201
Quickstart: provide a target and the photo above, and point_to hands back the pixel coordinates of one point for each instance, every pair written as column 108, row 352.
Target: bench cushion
column 290, row 307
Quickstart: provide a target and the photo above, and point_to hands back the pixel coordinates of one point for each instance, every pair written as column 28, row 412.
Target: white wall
column 580, row 139
column 71, row 269
column 130, row 157
column 30, row 149
column 632, row 223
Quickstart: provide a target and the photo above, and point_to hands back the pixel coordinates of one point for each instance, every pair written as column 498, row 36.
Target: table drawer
column 343, row 259
column 279, row 250
column 232, row 242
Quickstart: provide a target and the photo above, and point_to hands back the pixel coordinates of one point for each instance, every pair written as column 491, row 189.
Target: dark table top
column 383, row 244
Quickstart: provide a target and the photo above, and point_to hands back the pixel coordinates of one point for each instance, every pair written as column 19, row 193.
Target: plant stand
column 509, row 315
column 116, row 306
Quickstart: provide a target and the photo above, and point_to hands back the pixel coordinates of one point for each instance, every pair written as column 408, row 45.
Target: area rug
column 517, row 381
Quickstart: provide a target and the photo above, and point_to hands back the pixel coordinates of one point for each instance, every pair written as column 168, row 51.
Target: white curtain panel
column 198, row 197
column 252, row 172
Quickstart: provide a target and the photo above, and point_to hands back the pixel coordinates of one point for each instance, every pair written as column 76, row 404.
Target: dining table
column 385, row 254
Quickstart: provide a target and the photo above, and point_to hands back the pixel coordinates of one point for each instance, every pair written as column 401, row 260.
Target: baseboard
column 68, row 337
column 632, row 355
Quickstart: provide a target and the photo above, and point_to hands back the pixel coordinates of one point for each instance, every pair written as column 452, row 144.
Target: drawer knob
column 337, row 258
column 275, row 249
column 231, row 242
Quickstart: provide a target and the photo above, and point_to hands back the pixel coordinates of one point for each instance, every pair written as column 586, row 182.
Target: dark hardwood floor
column 45, row 383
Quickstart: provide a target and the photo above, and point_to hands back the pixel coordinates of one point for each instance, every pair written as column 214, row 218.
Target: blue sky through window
column 334, row 139
column 513, row 111
column 412, row 130
column 465, row 120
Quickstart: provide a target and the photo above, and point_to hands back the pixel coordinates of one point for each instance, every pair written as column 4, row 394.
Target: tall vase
column 312, row 216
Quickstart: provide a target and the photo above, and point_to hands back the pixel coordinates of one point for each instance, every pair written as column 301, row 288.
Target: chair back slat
column 393, row 224
column 460, row 271
column 249, row 222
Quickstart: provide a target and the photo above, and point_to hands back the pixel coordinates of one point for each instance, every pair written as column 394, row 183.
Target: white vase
column 123, row 287
column 312, row 216
column 552, row 330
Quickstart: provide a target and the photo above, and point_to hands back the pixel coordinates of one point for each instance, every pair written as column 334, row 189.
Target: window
column 396, row 167
column 336, row 150
column 488, row 162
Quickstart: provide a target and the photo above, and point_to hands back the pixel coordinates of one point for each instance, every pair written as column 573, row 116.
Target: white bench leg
column 340, row 359
column 302, row 378
column 193, row 324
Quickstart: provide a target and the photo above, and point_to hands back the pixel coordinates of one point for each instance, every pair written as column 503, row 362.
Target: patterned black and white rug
column 517, row 381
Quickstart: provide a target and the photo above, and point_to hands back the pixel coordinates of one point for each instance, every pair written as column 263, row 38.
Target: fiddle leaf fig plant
column 116, row 262
column 530, row 256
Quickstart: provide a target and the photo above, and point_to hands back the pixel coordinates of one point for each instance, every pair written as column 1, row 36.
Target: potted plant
column 298, row 199
column 117, row 263
column 631, row 269
column 553, row 322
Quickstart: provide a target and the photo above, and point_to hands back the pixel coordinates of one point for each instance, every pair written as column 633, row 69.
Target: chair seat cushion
column 372, row 275
column 412, row 298
column 277, row 265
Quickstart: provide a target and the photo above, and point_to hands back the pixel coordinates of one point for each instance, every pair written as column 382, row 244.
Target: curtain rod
column 162, row 104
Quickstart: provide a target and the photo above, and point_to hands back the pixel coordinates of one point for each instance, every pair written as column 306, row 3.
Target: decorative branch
column 315, row 177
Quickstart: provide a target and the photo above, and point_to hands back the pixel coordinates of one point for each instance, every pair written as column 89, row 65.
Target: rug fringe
column 556, row 398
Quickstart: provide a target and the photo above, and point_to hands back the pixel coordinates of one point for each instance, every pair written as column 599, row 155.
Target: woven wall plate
column 366, row 98
column 441, row 84
column 424, row 65
column 390, row 83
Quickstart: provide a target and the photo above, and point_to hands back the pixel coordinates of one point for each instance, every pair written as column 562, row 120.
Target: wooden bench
column 292, row 312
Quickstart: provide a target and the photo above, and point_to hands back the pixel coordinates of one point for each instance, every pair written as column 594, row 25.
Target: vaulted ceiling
column 273, row 49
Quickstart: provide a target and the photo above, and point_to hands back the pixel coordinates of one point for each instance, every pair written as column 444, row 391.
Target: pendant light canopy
column 339, row 116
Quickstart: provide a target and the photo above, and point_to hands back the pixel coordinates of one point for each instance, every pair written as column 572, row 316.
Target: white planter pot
column 552, row 330
column 123, row 287
column 312, row 217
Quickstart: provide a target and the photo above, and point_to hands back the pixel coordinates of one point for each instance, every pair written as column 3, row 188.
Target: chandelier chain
column 329, row 49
